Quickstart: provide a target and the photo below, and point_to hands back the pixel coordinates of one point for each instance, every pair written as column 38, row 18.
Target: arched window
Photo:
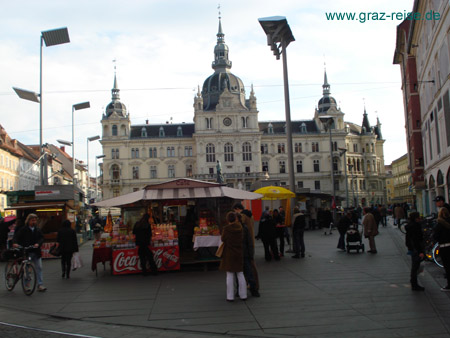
column 299, row 166
column 115, row 172
column 179, row 131
column 335, row 164
column 303, row 128
column 246, row 151
column 143, row 132
column 298, row 147
column 210, row 153
column 270, row 128
column 228, row 152
column 281, row 148
column 244, row 122
column 135, row 173
column 170, row 151
column 114, row 130
column 152, row 152
column 368, row 166
column 161, row 132
column 440, row 179
column 171, row 171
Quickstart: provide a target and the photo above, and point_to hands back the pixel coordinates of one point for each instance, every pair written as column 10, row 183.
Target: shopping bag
column 76, row 261
column 219, row 251
column 55, row 250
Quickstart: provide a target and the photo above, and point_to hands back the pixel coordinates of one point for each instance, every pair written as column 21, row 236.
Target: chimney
column 146, row 121
column 63, row 148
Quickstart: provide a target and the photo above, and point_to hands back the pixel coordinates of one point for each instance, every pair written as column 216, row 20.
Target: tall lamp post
column 51, row 38
column 77, row 106
column 96, row 177
column 327, row 124
column 279, row 36
column 343, row 151
column 90, row 139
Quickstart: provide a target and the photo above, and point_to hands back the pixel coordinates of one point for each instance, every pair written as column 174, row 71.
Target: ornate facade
column 226, row 133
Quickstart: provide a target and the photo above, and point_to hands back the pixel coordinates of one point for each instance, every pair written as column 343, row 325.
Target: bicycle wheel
column 436, row 257
column 402, row 227
column 28, row 279
column 11, row 270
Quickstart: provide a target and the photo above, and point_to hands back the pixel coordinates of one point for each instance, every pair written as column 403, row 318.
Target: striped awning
column 176, row 193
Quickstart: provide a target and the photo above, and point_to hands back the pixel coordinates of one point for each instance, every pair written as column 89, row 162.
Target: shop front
column 186, row 218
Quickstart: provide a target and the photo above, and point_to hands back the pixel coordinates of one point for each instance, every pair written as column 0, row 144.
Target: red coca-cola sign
column 126, row 261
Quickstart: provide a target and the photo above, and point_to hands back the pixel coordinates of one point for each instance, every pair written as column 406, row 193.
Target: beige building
column 389, row 184
column 226, row 135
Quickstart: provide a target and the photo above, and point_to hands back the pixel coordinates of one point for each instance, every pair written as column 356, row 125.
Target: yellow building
column 9, row 167
column 403, row 191
column 389, row 184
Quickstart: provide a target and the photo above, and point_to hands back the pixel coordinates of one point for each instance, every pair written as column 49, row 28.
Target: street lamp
column 51, row 38
column 343, row 151
column 96, row 177
column 279, row 35
column 77, row 106
column 90, row 139
column 327, row 123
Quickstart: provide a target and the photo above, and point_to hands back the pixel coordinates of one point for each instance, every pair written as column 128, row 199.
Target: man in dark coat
column 414, row 243
column 67, row 239
column 267, row 233
column 298, row 233
column 31, row 235
column 143, row 232
column 251, row 274
column 343, row 225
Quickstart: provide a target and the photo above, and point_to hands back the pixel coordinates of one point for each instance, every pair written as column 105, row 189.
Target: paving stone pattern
column 327, row 294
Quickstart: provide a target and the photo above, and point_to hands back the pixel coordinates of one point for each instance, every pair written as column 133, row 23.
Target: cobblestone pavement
column 327, row 294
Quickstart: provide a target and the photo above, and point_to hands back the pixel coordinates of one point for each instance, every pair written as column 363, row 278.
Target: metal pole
column 73, row 150
column 288, row 119
column 288, row 134
column 346, row 178
column 332, row 173
column 88, row 176
column 41, row 149
column 96, row 183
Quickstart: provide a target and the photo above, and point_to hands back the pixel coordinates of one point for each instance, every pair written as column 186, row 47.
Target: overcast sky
column 164, row 50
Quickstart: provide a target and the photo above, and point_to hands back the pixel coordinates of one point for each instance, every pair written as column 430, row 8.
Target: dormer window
column 143, row 132
column 270, row 128
column 303, row 128
column 161, row 132
column 179, row 131
column 209, row 123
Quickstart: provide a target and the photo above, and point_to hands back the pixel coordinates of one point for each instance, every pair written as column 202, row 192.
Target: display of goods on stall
column 109, row 223
column 117, row 240
column 164, row 235
column 211, row 230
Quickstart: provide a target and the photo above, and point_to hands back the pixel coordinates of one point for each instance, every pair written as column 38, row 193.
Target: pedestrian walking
column 250, row 271
column 370, row 229
column 233, row 256
column 267, row 234
column 343, row 225
column 30, row 235
column 298, row 233
column 399, row 214
column 312, row 218
column 143, row 232
column 441, row 234
column 279, row 229
column 68, row 243
column 414, row 243
column 383, row 213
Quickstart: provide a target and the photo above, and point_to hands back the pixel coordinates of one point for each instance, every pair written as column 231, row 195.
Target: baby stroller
column 354, row 239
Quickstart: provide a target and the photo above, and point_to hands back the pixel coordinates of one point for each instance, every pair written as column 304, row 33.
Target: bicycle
column 21, row 267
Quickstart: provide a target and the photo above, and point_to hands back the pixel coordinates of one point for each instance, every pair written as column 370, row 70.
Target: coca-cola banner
column 126, row 261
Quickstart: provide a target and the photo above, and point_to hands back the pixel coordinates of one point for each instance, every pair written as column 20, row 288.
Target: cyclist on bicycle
column 29, row 235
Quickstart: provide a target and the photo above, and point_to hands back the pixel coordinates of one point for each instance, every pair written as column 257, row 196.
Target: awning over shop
column 122, row 200
column 179, row 189
column 42, row 205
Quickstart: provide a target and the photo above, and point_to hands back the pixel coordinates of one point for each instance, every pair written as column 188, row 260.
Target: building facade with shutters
column 226, row 135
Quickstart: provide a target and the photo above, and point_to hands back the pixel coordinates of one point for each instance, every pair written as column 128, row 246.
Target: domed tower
column 327, row 107
column 116, row 120
column 222, row 80
column 327, row 101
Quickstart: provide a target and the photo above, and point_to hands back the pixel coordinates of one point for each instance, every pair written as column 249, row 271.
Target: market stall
column 186, row 217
